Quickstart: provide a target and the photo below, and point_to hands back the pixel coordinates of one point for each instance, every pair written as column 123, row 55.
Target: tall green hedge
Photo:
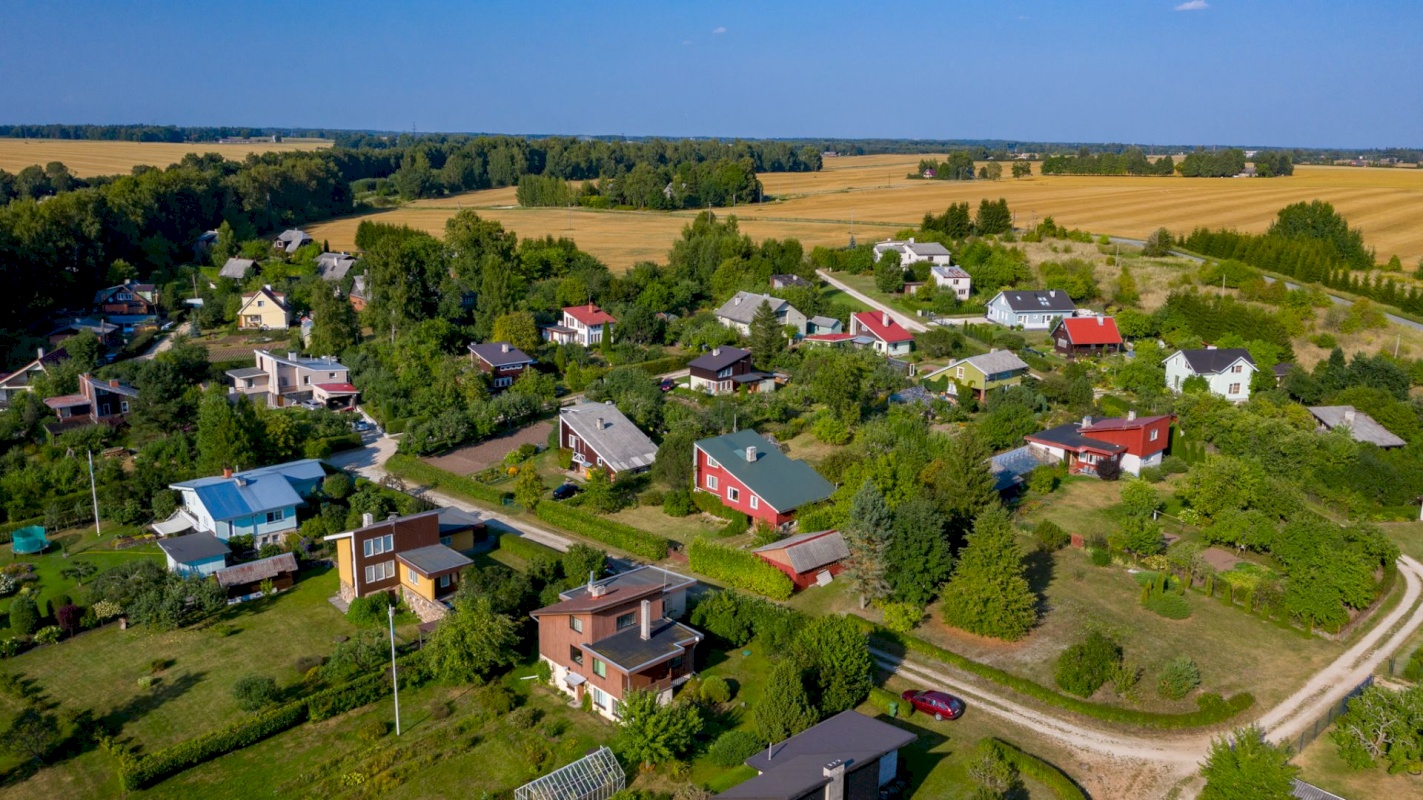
column 137, row 772
column 414, row 469
column 1212, row 708
column 1058, row 782
column 663, row 365
column 527, row 549
column 736, row 522
column 614, row 534
column 741, row 569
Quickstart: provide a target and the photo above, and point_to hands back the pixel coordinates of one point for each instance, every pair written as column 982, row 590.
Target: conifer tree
column 867, row 535
column 988, row 594
column 785, row 708
column 767, row 338
column 225, row 433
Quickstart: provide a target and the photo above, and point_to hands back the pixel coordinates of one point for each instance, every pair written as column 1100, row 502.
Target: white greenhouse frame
column 597, row 776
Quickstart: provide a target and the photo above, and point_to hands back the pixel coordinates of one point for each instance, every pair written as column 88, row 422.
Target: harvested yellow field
column 89, row 158
column 872, row 190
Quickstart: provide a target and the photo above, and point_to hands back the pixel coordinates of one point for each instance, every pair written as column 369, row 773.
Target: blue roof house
column 261, row 503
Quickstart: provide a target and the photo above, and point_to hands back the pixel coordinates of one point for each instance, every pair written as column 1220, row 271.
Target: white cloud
column 720, row 29
column 1193, row 5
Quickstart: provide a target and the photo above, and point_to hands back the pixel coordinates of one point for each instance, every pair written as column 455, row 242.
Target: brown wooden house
column 1086, row 336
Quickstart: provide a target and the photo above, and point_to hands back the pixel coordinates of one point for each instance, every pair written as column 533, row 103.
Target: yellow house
column 264, row 310
column 412, row 557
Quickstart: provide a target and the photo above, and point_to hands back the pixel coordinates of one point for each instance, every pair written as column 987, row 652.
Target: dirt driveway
column 491, row 452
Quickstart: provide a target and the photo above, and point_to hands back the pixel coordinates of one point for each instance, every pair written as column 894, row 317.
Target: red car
column 940, row 705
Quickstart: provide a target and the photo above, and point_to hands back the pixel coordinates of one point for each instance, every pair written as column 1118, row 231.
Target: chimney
column 597, row 589
column 503, row 347
column 1131, row 415
column 911, row 240
column 737, row 301
column 227, row 472
column 1350, row 415
column 716, row 351
column 1052, row 293
column 884, row 318
column 40, row 351
column 1101, row 320
column 292, row 354
column 368, row 519
column 835, row 772
column 600, row 423
column 113, row 383
column 1210, row 347
column 751, row 453
column 1087, row 421
column 646, row 618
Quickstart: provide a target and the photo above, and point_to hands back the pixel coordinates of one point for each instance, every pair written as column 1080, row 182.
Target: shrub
column 738, row 568
column 372, row 730
column 70, row 618
column 891, row 703
column 1050, row 536
column 1030, row 766
column 678, row 503
column 901, row 617
column 24, row 615
column 1101, row 557
column 252, row 692
column 733, row 747
column 543, row 672
column 415, row 470
column 305, row 664
column 714, row 690
column 370, row 610
column 1178, row 678
column 736, row 522
column 527, row 549
column 137, row 772
column 106, row 609
column 1169, row 605
column 1084, row 667
column 522, row 718
column 614, row 534
column 830, row 429
column 652, row 497
column 48, row 634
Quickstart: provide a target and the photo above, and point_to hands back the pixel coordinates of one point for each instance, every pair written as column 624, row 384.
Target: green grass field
column 68, row 548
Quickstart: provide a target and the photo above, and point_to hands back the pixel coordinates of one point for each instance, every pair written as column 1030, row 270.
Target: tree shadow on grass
column 1039, row 568
column 166, row 690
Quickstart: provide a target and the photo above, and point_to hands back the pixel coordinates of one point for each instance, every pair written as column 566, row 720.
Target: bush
column 733, row 747
column 737, row 523
column 891, row 703
column 305, row 664
column 714, row 690
column 1178, row 678
column 739, row 569
column 370, row 610
column 252, row 692
column 137, row 772
column 48, row 634
column 372, row 730
column 1050, row 536
column 614, row 534
column 1169, row 605
column 1029, row 766
column 678, row 503
column 1101, row 557
column 901, row 617
column 1084, row 667
column 24, row 615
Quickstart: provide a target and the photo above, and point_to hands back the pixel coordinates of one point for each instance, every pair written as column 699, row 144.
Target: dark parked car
column 668, row 384
column 565, row 491
column 939, row 705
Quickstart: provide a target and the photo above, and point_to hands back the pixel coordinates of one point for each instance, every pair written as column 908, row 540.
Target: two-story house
column 953, row 279
column 264, row 310
column 751, row 475
column 912, row 252
column 614, row 638
column 1086, row 336
column 603, row 438
column 23, row 379
column 130, row 305
column 889, row 337
column 403, row 555
column 581, row 325
column 1133, row 442
column 291, row 240
column 725, row 370
column 260, row 503
column 1030, row 311
column 503, row 362
column 98, row 401
column 982, row 373
column 738, row 312
column 292, row 380
column 1227, row 371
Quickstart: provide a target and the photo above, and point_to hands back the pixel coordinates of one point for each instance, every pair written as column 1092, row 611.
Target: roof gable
column 882, row 326
column 810, row 551
column 1039, row 301
column 719, row 358
column 785, row 484
column 590, row 315
column 1091, row 330
column 742, row 306
column 610, row 434
column 499, row 354
column 1212, row 360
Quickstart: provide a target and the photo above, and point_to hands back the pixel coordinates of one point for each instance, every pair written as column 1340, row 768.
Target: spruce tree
column 918, row 556
column 785, row 708
column 867, row 535
column 988, row 594
column 767, row 339
column 962, row 482
column 225, row 433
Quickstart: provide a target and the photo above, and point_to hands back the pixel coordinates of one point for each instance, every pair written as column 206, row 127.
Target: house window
column 599, row 668
column 306, row 380
column 1154, row 434
column 376, row 545
column 755, row 501
column 274, row 516
column 261, row 303
column 123, row 406
column 600, row 697
column 380, row 572
column 733, row 494
column 712, row 462
column 414, row 578
column 1238, row 368
column 675, row 663
column 711, row 482
column 572, row 441
column 1234, row 389
column 575, row 655
column 576, row 623
column 445, row 581
column 960, row 372
column 627, row 620
column 447, row 541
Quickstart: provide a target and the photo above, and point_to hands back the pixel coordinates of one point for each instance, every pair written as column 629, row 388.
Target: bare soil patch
column 491, row 452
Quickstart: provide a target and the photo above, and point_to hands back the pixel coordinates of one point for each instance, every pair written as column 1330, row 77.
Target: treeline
column 1217, row 164
column 1130, row 162
column 993, row 218
column 687, row 185
column 150, row 133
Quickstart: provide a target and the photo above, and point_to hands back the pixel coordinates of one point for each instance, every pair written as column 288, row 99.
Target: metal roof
column 810, row 551
column 434, row 558
column 742, row 306
column 784, row 484
column 499, row 354
column 638, row 577
column 796, row 767
column 610, row 434
column 1068, row 436
column 587, row 603
column 247, row 372
column 1363, row 427
column 994, row 363
column 193, row 547
column 719, row 358
column 457, row 519
column 236, row 268
column 629, row 651
column 254, row 571
column 254, row 491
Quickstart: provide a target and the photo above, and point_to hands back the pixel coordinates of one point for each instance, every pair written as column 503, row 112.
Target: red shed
column 806, row 557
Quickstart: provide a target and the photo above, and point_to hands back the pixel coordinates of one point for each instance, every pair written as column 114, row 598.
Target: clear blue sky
column 1310, row 72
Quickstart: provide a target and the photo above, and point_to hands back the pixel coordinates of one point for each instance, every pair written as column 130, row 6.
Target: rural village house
column 822, row 325
column 616, row 637
column 1032, row 311
column 790, row 282
column 954, row 279
column 726, row 369
column 291, row 240
column 296, row 380
column 601, row 437
column 196, row 554
column 751, row 475
column 405, row 556
column 1362, row 427
column 334, row 266
column 890, row 338
column 238, row 268
column 1227, row 371
column 912, row 252
column 501, row 361
column 264, row 310
column 581, row 325
column 108, row 334
column 98, row 401
column 1135, row 443
column 358, row 293
column 131, row 304
column 847, row 757
column 738, row 312
column 1086, row 336
column 22, row 379
column 808, row 559
column 260, row 503
column 981, row 374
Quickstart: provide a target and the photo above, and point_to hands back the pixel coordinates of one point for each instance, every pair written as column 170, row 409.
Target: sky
column 1310, row 73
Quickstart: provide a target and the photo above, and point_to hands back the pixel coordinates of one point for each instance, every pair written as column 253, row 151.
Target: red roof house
column 890, row 337
column 1133, row 442
column 584, row 325
column 1076, row 336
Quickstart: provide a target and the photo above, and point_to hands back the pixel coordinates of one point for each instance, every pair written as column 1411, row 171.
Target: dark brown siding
column 408, row 535
column 581, row 448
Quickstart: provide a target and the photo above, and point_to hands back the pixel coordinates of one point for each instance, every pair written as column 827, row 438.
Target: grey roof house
column 738, row 312
column 334, row 266
column 847, row 757
column 237, row 268
column 1362, row 427
column 601, row 436
column 291, row 240
column 1030, row 310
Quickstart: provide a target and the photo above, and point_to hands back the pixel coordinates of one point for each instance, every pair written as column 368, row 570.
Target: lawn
column 100, row 670
column 1407, row 535
column 1322, row 766
column 678, row 529
column 68, row 548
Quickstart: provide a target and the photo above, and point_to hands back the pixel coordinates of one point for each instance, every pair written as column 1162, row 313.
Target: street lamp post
column 394, row 677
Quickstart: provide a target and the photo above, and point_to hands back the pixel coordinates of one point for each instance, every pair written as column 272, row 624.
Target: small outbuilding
column 808, row 559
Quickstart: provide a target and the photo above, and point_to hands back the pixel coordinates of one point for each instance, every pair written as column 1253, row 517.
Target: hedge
column 527, row 549
column 7, row 530
column 614, row 534
column 738, row 568
column 137, row 772
column 736, row 522
column 407, row 466
column 668, row 364
column 891, row 703
column 1212, row 708
column 1055, row 780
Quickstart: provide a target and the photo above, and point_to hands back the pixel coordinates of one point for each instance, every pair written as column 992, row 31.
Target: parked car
column 668, row 384
column 360, row 426
column 565, row 491
column 939, row 705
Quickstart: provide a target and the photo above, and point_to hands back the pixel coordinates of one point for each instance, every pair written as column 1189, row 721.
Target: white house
column 887, row 335
column 1227, row 370
column 912, row 252
column 738, row 312
column 582, row 325
column 952, row 278
column 1030, row 311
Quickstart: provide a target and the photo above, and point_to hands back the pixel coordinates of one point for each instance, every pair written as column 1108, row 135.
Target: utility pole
column 94, row 493
column 394, row 676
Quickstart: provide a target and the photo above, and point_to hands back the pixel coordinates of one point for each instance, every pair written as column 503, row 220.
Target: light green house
column 982, row 373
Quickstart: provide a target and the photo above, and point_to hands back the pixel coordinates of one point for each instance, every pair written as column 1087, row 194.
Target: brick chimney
column 113, row 383
column 368, row 519
column 292, row 355
column 227, row 472
column 645, row 616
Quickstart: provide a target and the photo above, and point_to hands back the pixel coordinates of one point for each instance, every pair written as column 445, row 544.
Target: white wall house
column 738, row 312
column 954, row 279
column 1030, row 311
column 1227, row 370
column 912, row 252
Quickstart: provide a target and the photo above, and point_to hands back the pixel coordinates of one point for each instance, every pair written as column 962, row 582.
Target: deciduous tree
column 1246, row 765
column 471, row 643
